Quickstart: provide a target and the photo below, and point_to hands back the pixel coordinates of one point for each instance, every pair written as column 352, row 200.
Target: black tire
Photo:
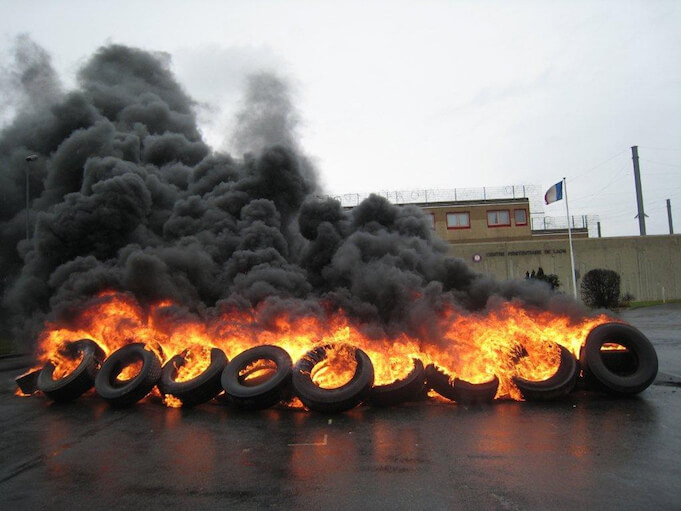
column 199, row 389
column 617, row 361
column 438, row 380
column 461, row 391
column 332, row 400
column 467, row 393
column 129, row 392
column 78, row 381
column 557, row 386
column 261, row 393
column 408, row 388
column 596, row 370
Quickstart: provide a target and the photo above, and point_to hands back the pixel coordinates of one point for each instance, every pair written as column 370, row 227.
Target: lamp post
column 29, row 159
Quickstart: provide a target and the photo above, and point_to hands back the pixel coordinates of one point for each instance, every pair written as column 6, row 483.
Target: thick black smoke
column 125, row 195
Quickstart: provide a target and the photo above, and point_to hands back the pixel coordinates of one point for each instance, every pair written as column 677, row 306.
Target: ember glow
column 129, row 371
column 256, row 372
column 64, row 363
column 510, row 341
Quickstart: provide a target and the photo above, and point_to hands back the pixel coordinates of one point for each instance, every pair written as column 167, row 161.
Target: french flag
column 555, row 193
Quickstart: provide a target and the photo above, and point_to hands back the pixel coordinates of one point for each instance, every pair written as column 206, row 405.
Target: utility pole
column 598, row 224
column 639, row 193
column 669, row 216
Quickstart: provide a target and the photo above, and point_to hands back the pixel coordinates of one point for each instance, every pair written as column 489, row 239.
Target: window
column 499, row 218
column 431, row 220
column 520, row 216
column 458, row 220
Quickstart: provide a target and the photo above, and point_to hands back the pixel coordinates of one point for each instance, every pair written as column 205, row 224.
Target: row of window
column 495, row 218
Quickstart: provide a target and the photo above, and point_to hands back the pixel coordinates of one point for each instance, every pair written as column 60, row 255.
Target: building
column 490, row 220
column 501, row 231
column 498, row 237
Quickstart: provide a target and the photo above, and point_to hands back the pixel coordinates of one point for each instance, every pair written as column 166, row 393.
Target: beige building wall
column 478, row 227
column 650, row 266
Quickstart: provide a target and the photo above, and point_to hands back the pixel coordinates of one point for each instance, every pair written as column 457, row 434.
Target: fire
column 509, row 341
column 196, row 360
column 65, row 362
column 129, row 371
column 172, row 401
column 337, row 369
column 256, row 372
column 611, row 346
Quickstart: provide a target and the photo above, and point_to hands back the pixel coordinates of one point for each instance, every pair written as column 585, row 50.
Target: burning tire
column 408, row 388
column 459, row 390
column 200, row 389
column 254, row 386
column 335, row 400
column 596, row 370
column 557, row 386
column 467, row 393
column 128, row 392
column 80, row 380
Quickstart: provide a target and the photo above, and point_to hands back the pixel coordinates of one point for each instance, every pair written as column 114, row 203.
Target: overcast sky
column 425, row 94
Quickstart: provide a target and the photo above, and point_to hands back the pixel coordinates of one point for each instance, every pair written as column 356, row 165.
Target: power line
column 661, row 163
column 595, row 167
column 617, row 174
column 663, row 148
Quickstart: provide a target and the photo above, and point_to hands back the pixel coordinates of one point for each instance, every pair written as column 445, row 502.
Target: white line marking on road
column 325, row 442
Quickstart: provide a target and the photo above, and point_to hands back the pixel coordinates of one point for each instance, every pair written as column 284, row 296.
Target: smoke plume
column 125, row 195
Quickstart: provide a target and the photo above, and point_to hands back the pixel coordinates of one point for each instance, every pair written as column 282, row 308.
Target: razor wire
column 549, row 223
column 427, row 196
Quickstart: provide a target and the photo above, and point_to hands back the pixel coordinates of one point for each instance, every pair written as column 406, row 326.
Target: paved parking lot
column 591, row 451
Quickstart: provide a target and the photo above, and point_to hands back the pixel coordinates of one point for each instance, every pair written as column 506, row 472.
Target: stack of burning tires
column 264, row 376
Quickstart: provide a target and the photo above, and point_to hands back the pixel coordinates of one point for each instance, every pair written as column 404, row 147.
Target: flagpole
column 572, row 253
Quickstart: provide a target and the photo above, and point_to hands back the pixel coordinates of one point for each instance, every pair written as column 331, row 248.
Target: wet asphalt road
column 589, row 452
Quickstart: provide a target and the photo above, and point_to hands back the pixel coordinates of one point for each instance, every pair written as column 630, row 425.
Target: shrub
column 626, row 299
column 601, row 288
column 550, row 278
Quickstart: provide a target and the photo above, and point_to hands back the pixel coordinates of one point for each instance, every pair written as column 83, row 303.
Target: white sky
column 398, row 95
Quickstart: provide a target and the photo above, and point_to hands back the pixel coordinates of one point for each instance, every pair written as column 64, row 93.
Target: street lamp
column 29, row 159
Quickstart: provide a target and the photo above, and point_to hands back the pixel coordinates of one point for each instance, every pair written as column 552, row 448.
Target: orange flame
column 336, row 369
column 511, row 340
column 257, row 371
column 19, row 393
column 64, row 363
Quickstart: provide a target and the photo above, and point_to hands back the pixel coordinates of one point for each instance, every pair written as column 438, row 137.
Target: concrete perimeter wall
column 650, row 266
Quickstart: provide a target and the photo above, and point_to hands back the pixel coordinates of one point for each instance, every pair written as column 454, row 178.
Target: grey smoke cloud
column 127, row 196
column 29, row 82
column 267, row 117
